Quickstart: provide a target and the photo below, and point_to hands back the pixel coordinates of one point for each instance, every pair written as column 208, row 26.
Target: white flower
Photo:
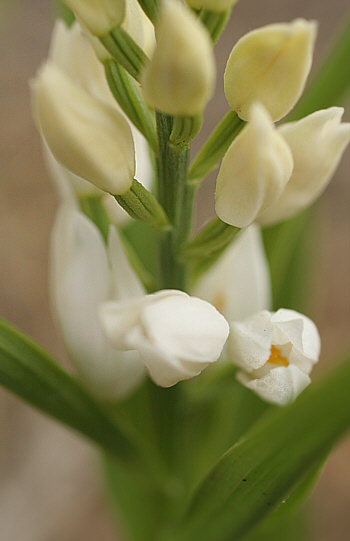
column 99, row 16
column 317, row 143
column 276, row 352
column 71, row 51
column 238, row 284
column 212, row 5
column 87, row 136
column 253, row 172
column 83, row 275
column 270, row 65
column 180, row 77
column 176, row 335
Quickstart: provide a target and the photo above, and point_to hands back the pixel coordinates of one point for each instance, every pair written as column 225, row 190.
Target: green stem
column 216, row 146
column 173, row 195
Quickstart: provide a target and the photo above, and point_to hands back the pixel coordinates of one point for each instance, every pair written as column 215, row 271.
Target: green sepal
column 216, row 146
column 125, row 50
column 205, row 249
column 185, row 128
column 140, row 204
column 127, row 94
column 257, row 474
column 215, row 21
column 150, row 7
column 29, row 372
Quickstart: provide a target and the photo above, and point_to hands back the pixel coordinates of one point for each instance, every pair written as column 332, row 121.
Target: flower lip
column 276, row 352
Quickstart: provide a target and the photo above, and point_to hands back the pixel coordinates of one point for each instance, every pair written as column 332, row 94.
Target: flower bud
column 276, row 352
column 99, row 16
column 176, row 335
column 85, row 135
column 211, row 5
column 270, row 65
column 317, row 143
column 253, row 172
column 72, row 52
column 180, row 77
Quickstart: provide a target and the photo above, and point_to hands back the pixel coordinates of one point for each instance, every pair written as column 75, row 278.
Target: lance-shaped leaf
column 260, row 471
column 29, row 372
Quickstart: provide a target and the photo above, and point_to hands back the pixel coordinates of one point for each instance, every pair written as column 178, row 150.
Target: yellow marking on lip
column 276, row 357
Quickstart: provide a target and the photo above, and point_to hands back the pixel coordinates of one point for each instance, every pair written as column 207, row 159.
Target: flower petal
column 238, row 285
column 280, row 386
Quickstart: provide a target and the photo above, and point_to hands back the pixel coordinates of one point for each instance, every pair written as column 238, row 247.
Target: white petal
column 298, row 330
column 253, row 172
column 85, row 135
column 238, row 285
column 80, row 282
column 280, row 386
column 271, row 65
column 177, row 335
column 180, row 77
column 250, row 341
column 317, row 143
column 125, row 282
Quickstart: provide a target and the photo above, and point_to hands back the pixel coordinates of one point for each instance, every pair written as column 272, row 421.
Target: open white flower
column 238, row 284
column 276, row 352
column 253, row 172
column 317, row 143
column 177, row 336
column 180, row 77
column 270, row 65
column 83, row 275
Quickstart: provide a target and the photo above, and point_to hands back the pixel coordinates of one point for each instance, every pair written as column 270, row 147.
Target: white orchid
column 317, row 142
column 270, row 65
column 83, row 275
column 276, row 352
column 180, row 77
column 253, row 172
column 72, row 53
column 177, row 336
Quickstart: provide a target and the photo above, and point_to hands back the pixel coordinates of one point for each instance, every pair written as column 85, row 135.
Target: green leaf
column 29, row 372
column 258, row 473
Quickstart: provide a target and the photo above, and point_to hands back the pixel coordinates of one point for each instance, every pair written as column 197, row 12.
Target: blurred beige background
column 49, row 484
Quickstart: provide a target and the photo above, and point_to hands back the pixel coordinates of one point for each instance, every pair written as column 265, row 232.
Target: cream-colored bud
column 253, row 172
column 85, row 135
column 180, row 77
column 212, row 5
column 317, row 143
column 271, row 65
column 99, row 16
